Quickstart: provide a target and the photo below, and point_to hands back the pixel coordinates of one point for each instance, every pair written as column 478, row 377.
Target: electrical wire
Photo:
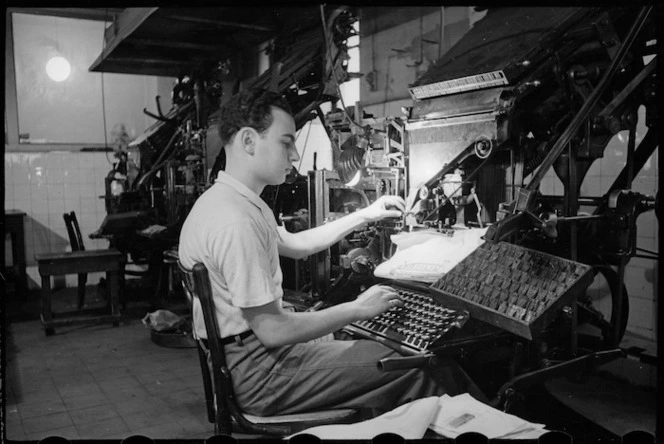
column 103, row 93
column 334, row 74
column 304, row 150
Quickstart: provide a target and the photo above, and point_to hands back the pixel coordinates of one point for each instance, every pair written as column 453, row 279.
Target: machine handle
column 406, row 362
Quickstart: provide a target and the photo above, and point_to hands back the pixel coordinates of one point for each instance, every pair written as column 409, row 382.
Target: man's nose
column 295, row 156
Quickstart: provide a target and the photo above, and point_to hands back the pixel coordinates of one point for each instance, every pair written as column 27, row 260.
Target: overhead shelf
column 169, row 41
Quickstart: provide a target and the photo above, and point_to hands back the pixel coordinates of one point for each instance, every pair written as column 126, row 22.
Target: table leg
column 113, row 287
column 47, row 315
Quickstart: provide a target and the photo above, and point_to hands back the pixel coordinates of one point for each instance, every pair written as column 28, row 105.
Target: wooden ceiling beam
column 179, row 44
column 220, row 23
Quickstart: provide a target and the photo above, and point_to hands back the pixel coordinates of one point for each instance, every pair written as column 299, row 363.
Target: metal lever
column 406, row 362
column 507, row 393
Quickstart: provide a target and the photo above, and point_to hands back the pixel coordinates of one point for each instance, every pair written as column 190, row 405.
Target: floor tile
column 86, row 400
column 46, row 422
column 147, row 418
column 125, row 394
column 158, row 377
column 66, row 381
column 41, row 408
column 76, row 391
column 168, row 430
column 139, row 404
column 92, row 414
column 13, row 424
column 107, row 363
column 69, row 432
column 111, row 428
column 45, row 396
column 195, row 425
column 110, row 373
column 33, row 384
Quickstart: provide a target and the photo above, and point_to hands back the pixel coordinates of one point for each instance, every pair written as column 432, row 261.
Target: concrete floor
column 105, row 382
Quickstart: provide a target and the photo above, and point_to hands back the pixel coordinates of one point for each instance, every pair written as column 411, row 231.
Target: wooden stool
column 76, row 262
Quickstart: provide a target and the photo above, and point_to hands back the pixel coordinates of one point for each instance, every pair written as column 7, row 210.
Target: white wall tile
column 639, row 281
column 22, row 193
column 592, row 186
column 646, row 228
column 23, row 205
column 38, row 205
column 56, row 176
column 641, row 315
column 39, row 191
column 56, row 207
column 54, row 161
column 87, row 176
column 72, row 175
column 86, row 161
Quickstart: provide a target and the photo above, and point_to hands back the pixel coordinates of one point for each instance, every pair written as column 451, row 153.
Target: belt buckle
column 238, row 340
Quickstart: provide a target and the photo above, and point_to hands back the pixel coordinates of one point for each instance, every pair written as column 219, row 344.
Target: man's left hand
column 385, row 206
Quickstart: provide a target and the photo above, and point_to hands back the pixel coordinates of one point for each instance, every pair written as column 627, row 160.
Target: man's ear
column 247, row 138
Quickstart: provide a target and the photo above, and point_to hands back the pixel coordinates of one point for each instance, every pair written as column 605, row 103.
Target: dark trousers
column 332, row 374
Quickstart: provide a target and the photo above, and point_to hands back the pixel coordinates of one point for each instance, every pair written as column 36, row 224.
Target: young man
column 276, row 367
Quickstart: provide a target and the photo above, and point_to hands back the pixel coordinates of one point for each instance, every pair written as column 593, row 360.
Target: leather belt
column 231, row 339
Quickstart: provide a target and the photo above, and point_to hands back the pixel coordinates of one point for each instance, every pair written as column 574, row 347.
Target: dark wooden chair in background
column 223, row 408
column 80, row 262
column 76, row 242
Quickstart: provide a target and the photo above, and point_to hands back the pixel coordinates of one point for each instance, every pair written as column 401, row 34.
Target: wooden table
column 14, row 226
column 75, row 262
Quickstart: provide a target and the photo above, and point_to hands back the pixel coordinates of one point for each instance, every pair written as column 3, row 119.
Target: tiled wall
column 45, row 185
column 641, row 279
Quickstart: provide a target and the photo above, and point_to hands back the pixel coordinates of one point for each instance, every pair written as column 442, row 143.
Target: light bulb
column 58, row 68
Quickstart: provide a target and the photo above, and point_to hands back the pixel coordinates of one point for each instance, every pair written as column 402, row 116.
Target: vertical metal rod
column 617, row 302
column 631, row 143
column 583, row 113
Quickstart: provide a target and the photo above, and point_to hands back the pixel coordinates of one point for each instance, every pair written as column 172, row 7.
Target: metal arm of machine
column 506, row 394
column 406, row 362
column 583, row 113
column 517, row 221
column 446, row 169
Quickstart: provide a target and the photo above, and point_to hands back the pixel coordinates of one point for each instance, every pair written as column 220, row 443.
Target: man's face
column 275, row 149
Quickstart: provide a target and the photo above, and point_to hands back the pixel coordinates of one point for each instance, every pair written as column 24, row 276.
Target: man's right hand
column 375, row 301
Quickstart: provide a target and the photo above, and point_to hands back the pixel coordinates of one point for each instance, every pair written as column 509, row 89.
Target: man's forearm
column 318, row 238
column 291, row 327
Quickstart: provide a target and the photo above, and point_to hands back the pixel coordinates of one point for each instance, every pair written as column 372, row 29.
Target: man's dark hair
column 252, row 108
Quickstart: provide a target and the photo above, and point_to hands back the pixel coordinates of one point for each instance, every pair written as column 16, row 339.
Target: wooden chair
column 223, row 408
column 76, row 242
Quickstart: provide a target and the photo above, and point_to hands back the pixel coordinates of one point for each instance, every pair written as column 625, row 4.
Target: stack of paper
column 410, row 421
column 427, row 255
column 445, row 415
column 463, row 413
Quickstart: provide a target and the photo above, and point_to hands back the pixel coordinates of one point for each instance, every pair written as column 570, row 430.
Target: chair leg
column 82, row 280
column 207, row 383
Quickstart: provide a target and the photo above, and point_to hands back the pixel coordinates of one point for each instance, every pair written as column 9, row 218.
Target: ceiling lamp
column 58, row 68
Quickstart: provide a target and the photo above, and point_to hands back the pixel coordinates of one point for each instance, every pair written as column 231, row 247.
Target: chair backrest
column 197, row 285
column 74, row 231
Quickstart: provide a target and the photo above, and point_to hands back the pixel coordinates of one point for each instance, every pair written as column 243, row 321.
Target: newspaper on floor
column 446, row 415
column 456, row 415
column 410, row 421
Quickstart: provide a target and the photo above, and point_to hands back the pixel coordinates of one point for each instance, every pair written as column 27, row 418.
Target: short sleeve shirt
column 233, row 232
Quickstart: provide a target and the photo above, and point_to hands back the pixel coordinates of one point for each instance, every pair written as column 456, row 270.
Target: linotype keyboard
column 413, row 328
column 515, row 288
